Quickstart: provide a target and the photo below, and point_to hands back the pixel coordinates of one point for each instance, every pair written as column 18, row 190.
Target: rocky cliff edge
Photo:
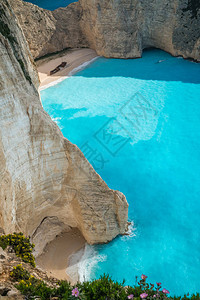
column 120, row 28
column 44, row 179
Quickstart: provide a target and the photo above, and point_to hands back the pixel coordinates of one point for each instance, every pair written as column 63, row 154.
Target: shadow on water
column 154, row 65
column 159, row 174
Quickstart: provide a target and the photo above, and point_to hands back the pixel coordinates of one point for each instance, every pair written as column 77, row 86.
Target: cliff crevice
column 46, row 183
column 120, row 29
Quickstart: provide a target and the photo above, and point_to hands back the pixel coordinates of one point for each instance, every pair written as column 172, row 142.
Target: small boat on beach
column 58, row 68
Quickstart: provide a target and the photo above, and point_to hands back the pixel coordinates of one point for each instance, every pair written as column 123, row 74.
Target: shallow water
column 137, row 122
column 51, row 4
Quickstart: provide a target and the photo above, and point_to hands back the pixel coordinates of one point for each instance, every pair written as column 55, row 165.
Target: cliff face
column 123, row 28
column 45, row 181
column 120, row 28
column 50, row 31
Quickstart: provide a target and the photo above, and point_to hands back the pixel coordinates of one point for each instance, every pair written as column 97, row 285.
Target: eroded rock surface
column 42, row 174
column 7, row 285
column 123, row 28
column 120, row 28
column 50, row 31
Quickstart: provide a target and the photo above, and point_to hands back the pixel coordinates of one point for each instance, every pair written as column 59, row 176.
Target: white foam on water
column 83, row 262
column 56, row 120
column 83, row 66
column 131, row 231
column 75, row 70
column 52, row 83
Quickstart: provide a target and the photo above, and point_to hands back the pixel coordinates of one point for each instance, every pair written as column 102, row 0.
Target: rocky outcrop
column 50, row 31
column 120, row 28
column 123, row 28
column 42, row 174
column 8, row 261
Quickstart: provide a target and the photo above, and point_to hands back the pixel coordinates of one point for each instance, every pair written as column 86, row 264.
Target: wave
column 131, row 232
column 83, row 263
column 82, row 66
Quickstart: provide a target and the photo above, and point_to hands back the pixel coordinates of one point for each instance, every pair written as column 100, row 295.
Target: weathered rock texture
column 8, row 260
column 42, row 174
column 123, row 28
column 114, row 28
column 50, row 31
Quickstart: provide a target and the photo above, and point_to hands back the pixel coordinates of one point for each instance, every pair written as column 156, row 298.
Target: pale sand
column 55, row 258
column 74, row 58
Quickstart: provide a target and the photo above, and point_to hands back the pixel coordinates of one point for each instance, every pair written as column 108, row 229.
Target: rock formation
column 120, row 28
column 50, row 31
column 123, row 28
column 44, row 179
column 9, row 260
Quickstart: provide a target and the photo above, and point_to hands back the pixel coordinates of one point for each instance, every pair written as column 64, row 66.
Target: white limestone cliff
column 44, row 179
column 120, row 28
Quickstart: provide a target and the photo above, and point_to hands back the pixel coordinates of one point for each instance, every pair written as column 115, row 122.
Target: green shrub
column 20, row 244
column 101, row 289
column 19, row 273
column 64, row 290
column 104, row 288
column 35, row 288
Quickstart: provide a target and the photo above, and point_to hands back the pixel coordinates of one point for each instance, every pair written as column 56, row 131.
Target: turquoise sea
column 138, row 123
column 51, row 4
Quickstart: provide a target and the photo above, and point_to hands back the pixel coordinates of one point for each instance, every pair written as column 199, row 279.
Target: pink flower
column 154, row 296
column 158, row 283
column 143, row 296
column 130, row 296
column 75, row 292
column 165, row 291
column 143, row 277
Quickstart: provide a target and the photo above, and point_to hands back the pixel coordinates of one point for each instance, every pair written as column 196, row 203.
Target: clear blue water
column 51, row 4
column 143, row 118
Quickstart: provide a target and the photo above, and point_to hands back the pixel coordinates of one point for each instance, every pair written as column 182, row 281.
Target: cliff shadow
column 155, row 65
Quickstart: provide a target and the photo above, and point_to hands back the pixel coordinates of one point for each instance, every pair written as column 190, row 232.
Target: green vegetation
column 19, row 273
column 33, row 287
column 103, row 288
column 20, row 244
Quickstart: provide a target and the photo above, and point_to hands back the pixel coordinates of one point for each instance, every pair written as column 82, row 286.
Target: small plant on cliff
column 101, row 289
column 20, row 244
column 19, row 273
column 33, row 287
column 104, row 288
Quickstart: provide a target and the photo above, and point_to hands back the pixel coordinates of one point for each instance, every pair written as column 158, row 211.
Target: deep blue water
column 141, row 119
column 51, row 4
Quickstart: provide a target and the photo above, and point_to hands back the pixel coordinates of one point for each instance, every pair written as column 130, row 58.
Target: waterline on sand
column 71, row 73
column 81, row 263
column 157, row 170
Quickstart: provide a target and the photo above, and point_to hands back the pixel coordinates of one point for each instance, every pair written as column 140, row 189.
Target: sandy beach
column 74, row 59
column 58, row 254
column 55, row 258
